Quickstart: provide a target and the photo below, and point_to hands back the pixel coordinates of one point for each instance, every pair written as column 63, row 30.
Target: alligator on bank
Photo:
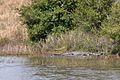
column 77, row 54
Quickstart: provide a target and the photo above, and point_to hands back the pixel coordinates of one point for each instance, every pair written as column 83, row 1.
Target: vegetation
column 91, row 13
column 77, row 41
column 45, row 17
column 12, row 31
column 67, row 25
column 111, row 27
column 63, row 25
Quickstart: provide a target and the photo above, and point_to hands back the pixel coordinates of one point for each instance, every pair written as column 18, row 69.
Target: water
column 46, row 68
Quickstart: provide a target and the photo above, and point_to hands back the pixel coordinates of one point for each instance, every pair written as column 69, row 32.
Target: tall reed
column 12, row 31
column 77, row 41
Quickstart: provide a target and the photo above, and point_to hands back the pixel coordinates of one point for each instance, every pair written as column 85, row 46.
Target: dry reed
column 12, row 31
column 77, row 41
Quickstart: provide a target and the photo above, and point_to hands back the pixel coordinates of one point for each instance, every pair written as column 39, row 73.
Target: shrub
column 91, row 13
column 111, row 27
column 44, row 17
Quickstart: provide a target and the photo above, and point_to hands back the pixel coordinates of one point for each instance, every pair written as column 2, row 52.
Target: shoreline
column 78, row 55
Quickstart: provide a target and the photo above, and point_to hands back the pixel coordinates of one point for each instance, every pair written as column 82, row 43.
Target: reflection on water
column 46, row 68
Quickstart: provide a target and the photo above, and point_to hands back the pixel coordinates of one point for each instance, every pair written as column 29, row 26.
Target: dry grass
column 10, row 25
column 12, row 31
column 77, row 41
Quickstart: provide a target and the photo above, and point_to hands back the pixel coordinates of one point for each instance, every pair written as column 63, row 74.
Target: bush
column 91, row 13
column 111, row 27
column 44, row 17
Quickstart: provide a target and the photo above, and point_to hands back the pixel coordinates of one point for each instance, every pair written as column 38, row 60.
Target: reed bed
column 14, row 49
column 95, row 63
column 10, row 24
column 12, row 31
column 77, row 41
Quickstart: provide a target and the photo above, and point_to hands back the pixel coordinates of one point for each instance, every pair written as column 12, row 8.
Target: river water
column 47, row 68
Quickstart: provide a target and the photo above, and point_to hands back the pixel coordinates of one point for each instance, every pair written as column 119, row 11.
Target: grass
column 13, row 33
column 77, row 41
column 97, row 63
column 10, row 22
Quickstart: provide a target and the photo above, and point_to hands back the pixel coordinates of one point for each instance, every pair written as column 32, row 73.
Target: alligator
column 77, row 54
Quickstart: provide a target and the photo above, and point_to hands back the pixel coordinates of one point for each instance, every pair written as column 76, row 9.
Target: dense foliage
column 49, row 16
column 111, row 27
column 45, row 17
column 91, row 13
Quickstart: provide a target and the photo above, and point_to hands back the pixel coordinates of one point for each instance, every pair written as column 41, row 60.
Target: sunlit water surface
column 47, row 68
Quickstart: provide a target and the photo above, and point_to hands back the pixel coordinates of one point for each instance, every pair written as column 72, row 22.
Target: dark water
column 45, row 68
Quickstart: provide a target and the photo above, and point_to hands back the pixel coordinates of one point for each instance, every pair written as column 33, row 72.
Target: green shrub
column 44, row 17
column 111, row 27
column 91, row 13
